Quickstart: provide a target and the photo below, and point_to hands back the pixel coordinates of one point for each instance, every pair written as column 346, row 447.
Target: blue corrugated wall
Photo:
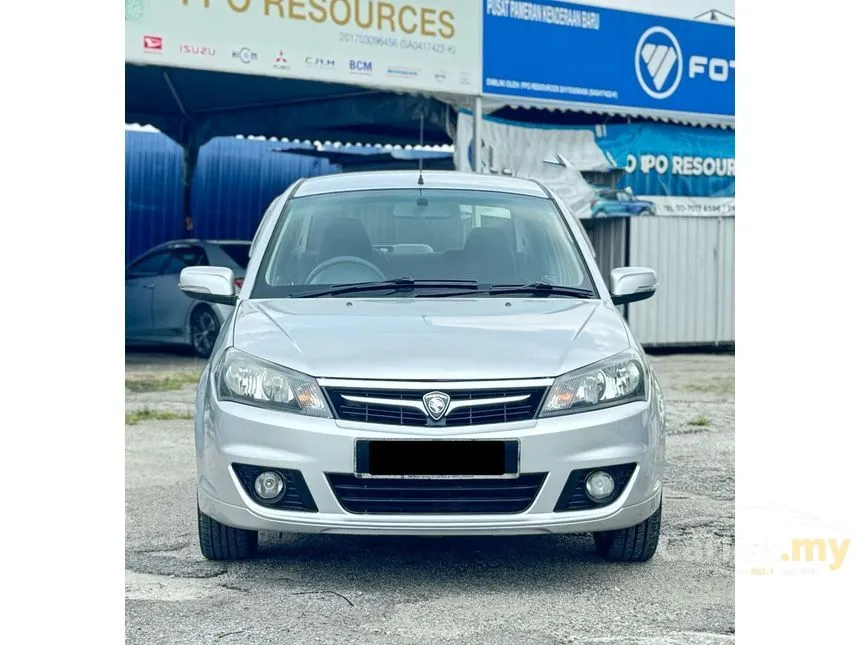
column 234, row 182
column 153, row 191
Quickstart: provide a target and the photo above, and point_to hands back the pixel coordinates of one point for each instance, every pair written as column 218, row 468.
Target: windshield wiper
column 542, row 289
column 534, row 288
column 397, row 284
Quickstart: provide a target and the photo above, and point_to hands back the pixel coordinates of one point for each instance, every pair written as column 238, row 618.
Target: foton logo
column 660, row 64
column 659, row 56
column 152, row 44
column 718, row 68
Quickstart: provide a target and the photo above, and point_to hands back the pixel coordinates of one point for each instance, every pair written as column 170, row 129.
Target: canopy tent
column 401, row 81
column 193, row 106
column 365, row 158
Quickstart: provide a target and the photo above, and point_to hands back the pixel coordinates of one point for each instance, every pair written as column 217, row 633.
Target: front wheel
column 221, row 542
column 203, row 330
column 635, row 544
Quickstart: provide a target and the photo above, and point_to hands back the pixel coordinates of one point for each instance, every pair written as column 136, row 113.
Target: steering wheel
column 352, row 265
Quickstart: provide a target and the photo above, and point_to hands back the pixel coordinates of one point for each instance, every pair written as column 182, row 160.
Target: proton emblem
column 436, row 404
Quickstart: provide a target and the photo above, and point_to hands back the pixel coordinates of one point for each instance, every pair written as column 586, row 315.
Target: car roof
column 433, row 179
column 187, row 242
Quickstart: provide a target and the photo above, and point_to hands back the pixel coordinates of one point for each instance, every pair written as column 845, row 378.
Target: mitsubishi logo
column 658, row 62
column 436, row 404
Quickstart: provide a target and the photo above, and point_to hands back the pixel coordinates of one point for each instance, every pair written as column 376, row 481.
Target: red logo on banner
column 152, row 44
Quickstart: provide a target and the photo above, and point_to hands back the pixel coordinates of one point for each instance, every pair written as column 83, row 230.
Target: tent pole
column 478, row 117
column 189, row 163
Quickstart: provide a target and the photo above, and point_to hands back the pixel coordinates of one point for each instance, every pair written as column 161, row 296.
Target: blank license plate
column 440, row 458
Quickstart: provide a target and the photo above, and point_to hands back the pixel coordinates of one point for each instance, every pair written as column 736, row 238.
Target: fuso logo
column 660, row 63
column 360, row 66
column 152, row 44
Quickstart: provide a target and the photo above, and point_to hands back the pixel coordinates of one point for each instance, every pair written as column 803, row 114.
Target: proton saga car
column 426, row 354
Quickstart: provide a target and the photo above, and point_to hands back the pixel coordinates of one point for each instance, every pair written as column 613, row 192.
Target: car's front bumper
column 230, row 433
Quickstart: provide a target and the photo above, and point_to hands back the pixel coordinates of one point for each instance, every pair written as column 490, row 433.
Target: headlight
column 245, row 379
column 616, row 380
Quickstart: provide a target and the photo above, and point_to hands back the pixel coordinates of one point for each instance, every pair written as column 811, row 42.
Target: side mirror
column 210, row 284
column 632, row 284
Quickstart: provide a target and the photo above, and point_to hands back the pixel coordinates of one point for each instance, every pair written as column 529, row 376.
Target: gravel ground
column 415, row 591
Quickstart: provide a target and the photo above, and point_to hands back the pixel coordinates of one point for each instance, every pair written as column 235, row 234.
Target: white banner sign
column 705, row 206
column 524, row 152
column 427, row 45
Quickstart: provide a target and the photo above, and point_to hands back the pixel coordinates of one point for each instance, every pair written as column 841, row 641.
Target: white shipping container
column 694, row 258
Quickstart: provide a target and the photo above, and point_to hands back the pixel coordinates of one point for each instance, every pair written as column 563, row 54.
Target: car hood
column 429, row 339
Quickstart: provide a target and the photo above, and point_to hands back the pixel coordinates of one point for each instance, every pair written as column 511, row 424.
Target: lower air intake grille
column 296, row 497
column 573, row 496
column 439, row 496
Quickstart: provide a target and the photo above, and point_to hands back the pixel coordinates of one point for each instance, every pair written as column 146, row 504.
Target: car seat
column 346, row 237
column 487, row 257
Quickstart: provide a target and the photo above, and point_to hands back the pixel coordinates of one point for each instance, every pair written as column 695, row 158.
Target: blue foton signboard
column 562, row 52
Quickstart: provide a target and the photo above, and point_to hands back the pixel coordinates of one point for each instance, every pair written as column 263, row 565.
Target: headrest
column 345, row 237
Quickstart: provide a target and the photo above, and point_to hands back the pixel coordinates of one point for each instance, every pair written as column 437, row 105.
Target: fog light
column 269, row 486
column 599, row 485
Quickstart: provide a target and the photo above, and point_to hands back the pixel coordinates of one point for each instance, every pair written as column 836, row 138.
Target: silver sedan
column 156, row 310
column 429, row 354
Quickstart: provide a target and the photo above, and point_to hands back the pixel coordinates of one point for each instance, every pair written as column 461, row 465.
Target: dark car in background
column 157, row 312
column 615, row 203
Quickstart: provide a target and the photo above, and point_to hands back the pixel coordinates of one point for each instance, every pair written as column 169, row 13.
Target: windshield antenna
column 421, row 201
column 420, row 158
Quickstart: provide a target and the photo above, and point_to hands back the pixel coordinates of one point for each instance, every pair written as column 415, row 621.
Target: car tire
column 203, row 328
column 635, row 544
column 221, row 542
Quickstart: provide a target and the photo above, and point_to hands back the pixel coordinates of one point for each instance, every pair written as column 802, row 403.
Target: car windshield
column 427, row 237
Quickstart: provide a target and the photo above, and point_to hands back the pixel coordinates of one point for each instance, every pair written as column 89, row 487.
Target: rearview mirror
column 421, row 208
column 210, row 284
column 632, row 284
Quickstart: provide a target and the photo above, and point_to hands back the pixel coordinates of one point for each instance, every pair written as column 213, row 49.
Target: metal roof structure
column 192, row 106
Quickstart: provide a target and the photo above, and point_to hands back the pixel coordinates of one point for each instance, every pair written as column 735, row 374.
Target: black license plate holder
column 437, row 458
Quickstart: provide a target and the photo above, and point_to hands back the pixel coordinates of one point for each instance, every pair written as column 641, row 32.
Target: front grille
column 573, row 496
column 435, row 496
column 404, row 415
column 296, row 497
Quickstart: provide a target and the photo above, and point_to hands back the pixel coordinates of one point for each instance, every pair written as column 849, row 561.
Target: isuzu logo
column 436, row 404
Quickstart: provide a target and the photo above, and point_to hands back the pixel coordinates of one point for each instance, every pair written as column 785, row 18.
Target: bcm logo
column 361, row 66
column 660, row 64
